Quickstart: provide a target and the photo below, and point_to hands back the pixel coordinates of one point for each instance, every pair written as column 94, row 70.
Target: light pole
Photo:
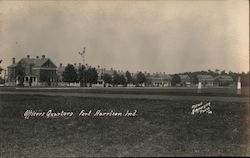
column 82, row 54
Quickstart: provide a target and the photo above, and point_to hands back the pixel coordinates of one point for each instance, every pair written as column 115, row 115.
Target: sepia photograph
column 106, row 78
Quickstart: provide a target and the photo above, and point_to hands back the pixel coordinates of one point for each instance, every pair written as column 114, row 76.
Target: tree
column 212, row 73
column 82, row 76
column 217, row 71
column 195, row 79
column 140, row 78
column 223, row 72
column 129, row 77
column 1, row 69
column 148, row 79
column 175, row 80
column 91, row 76
column 116, row 78
column 122, row 80
column 69, row 74
column 244, row 79
column 234, row 75
column 107, row 78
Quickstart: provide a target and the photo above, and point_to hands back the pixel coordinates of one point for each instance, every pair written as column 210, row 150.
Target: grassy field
column 175, row 91
column 161, row 128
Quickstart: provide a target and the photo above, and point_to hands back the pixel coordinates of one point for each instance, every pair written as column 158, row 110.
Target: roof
column 184, row 77
column 12, row 65
column 160, row 77
column 166, row 77
column 205, row 77
column 36, row 62
column 110, row 72
column 224, row 78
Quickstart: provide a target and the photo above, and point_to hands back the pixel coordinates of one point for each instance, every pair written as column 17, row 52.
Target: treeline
column 89, row 76
column 124, row 79
column 1, row 69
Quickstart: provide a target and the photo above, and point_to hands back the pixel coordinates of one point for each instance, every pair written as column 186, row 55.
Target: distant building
column 160, row 80
column 206, row 80
column 223, row 80
column 185, row 80
column 110, row 71
column 101, row 72
column 32, row 72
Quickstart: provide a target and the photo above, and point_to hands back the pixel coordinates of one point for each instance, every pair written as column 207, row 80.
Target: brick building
column 32, row 72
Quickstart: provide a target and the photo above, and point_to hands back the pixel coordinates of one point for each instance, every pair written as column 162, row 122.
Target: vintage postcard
column 124, row 78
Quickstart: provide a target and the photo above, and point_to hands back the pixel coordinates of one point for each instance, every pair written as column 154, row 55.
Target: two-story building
column 206, row 80
column 185, row 80
column 160, row 80
column 32, row 72
column 223, row 80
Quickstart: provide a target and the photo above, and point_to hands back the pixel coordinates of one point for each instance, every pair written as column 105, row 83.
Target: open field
column 190, row 91
column 163, row 126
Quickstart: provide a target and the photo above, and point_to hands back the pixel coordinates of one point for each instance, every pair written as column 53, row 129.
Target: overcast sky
column 160, row 36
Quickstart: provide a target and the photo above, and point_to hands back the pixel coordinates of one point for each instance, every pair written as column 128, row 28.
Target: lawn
column 161, row 128
column 175, row 91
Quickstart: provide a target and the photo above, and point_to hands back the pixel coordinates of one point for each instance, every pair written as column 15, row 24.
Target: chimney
column 28, row 56
column 43, row 56
column 13, row 60
column 37, row 57
column 98, row 66
column 74, row 64
column 60, row 64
